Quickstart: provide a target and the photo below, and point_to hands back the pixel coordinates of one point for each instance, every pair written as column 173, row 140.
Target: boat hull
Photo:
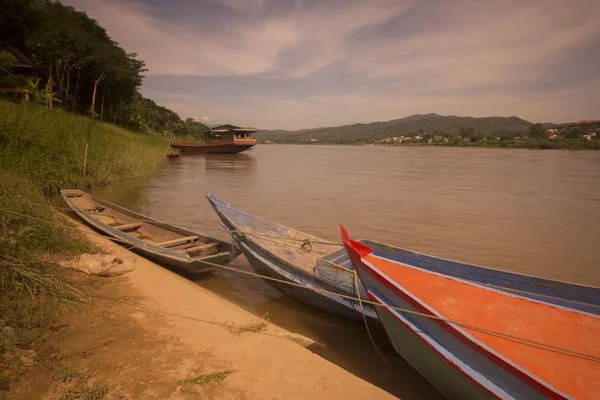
column 220, row 147
column 468, row 356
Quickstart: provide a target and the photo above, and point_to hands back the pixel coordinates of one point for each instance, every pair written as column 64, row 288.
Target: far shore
column 537, row 145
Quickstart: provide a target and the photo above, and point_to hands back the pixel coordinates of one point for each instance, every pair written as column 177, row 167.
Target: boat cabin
column 229, row 133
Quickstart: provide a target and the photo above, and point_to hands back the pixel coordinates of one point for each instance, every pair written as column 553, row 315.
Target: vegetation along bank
column 71, row 116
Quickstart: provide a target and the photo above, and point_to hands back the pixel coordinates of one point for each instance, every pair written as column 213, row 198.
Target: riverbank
column 41, row 152
column 154, row 334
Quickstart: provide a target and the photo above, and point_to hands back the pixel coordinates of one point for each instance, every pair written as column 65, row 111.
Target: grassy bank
column 48, row 148
column 41, row 152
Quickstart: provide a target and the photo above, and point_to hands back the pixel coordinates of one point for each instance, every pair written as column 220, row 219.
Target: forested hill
column 64, row 59
column 432, row 124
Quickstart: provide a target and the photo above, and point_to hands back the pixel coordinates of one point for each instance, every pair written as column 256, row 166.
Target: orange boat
column 476, row 342
column 221, row 139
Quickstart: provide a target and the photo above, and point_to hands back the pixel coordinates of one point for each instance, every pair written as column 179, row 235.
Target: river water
column 531, row 211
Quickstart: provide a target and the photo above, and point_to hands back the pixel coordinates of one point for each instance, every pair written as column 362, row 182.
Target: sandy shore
column 151, row 329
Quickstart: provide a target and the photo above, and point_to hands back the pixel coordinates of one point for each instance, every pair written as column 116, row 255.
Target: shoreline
column 199, row 333
column 516, row 147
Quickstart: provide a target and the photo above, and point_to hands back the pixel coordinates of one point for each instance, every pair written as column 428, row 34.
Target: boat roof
column 229, row 128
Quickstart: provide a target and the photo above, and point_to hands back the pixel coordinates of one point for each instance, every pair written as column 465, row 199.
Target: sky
column 294, row 64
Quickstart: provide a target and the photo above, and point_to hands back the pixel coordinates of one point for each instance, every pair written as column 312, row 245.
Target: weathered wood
column 202, row 249
column 178, row 241
column 73, row 193
column 183, row 246
column 129, row 227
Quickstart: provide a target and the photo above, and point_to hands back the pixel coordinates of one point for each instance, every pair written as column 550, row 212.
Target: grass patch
column 41, row 152
column 48, row 147
column 252, row 326
column 215, row 378
column 70, row 374
column 96, row 392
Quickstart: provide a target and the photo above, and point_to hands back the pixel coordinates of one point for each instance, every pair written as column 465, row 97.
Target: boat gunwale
column 484, row 268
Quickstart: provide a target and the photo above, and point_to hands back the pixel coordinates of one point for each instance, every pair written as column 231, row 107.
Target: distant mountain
column 414, row 124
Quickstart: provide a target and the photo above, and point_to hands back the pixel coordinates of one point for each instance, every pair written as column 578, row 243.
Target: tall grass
column 48, row 147
column 41, row 152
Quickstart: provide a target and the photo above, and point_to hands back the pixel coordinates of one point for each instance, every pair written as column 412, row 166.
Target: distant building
column 268, row 142
column 553, row 137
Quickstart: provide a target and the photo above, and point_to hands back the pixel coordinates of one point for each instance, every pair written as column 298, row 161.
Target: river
column 531, row 211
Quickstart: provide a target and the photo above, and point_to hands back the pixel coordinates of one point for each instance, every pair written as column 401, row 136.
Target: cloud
column 298, row 64
column 205, row 119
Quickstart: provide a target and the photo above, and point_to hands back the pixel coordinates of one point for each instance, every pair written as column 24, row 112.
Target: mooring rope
column 362, row 311
column 307, row 245
column 521, row 340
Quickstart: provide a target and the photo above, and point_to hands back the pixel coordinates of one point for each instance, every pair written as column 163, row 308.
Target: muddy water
column 535, row 212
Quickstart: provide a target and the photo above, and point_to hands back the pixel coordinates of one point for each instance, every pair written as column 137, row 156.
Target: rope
column 307, row 241
column 543, row 346
column 362, row 311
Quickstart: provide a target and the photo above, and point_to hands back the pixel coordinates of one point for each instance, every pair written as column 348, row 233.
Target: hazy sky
column 302, row 64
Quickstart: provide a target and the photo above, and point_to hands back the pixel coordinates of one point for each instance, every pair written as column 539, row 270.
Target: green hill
column 415, row 124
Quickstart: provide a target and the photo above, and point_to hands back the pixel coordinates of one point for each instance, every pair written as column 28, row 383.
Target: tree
column 537, row 131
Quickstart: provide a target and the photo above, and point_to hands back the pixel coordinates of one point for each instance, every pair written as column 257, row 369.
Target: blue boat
column 275, row 250
column 285, row 254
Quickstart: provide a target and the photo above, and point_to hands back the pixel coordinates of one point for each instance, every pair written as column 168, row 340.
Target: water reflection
column 231, row 165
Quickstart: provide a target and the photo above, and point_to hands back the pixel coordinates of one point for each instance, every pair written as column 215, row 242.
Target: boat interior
column 144, row 229
column 294, row 247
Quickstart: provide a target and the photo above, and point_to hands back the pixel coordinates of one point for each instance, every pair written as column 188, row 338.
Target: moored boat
column 477, row 342
column 290, row 256
column 166, row 244
column 221, row 139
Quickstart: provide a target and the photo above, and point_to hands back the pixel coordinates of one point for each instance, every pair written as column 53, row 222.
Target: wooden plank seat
column 178, row 241
column 201, row 249
column 129, row 227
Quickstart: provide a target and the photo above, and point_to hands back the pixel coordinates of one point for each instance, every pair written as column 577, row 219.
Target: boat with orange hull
column 222, row 139
column 476, row 342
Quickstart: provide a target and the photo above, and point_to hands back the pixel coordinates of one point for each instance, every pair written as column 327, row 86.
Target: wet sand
column 151, row 328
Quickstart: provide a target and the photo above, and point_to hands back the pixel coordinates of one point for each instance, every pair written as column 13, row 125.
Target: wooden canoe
column 277, row 251
column 166, row 244
column 449, row 341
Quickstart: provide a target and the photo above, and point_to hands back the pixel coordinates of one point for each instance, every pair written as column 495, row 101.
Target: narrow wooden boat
column 166, row 244
column 172, row 155
column 279, row 252
column 476, row 342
